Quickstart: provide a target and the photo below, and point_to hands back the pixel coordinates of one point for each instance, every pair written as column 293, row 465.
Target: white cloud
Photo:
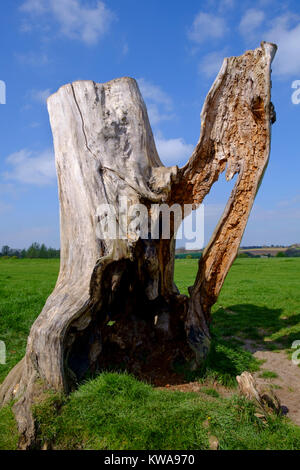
column 34, row 124
column 173, row 151
column 31, row 58
column 226, row 4
column 25, row 27
column 154, row 93
column 125, row 49
column 34, row 6
column 211, row 64
column 40, row 95
column 251, row 20
column 159, row 103
column 156, row 116
column 160, row 108
column 206, row 27
column 76, row 20
column 31, row 168
column 285, row 32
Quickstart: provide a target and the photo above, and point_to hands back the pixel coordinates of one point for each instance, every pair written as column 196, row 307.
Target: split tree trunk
column 115, row 300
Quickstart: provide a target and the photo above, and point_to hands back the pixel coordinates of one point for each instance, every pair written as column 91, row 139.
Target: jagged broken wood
column 263, row 396
column 115, row 300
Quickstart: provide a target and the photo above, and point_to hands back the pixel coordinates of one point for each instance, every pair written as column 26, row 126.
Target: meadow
column 259, row 304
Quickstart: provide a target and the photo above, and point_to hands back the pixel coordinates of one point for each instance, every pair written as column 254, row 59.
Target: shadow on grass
column 256, row 328
column 226, row 360
column 239, row 331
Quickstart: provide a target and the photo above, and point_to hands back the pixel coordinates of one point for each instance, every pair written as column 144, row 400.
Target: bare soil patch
column 287, row 383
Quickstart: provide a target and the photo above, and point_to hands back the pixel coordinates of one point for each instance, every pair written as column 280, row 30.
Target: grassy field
column 24, row 287
column 260, row 302
column 260, row 299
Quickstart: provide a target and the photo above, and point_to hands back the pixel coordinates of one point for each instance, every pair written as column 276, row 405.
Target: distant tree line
column 289, row 253
column 34, row 251
column 252, row 247
column 42, row 251
column 195, row 255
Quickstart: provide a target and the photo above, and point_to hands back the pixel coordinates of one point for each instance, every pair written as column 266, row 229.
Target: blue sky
column 175, row 50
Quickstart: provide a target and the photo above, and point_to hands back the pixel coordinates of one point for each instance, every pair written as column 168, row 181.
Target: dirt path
column 288, row 380
column 199, row 388
column 287, row 384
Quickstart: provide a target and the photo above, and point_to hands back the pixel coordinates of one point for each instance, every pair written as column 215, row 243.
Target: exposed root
column 11, row 385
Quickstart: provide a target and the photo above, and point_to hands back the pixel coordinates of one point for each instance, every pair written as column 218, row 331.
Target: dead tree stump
column 264, row 397
column 115, row 299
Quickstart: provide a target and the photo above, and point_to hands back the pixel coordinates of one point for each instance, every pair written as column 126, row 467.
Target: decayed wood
column 264, row 397
column 235, row 133
column 105, row 151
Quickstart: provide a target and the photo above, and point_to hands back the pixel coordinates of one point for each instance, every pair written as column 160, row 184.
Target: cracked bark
column 105, row 151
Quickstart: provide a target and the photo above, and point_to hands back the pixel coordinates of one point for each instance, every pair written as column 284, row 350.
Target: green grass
column 116, row 411
column 226, row 360
column 268, row 374
column 24, row 287
column 260, row 301
column 8, row 429
column 210, row 391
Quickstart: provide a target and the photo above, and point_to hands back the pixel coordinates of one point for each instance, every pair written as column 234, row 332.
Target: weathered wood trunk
column 115, row 300
column 263, row 396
